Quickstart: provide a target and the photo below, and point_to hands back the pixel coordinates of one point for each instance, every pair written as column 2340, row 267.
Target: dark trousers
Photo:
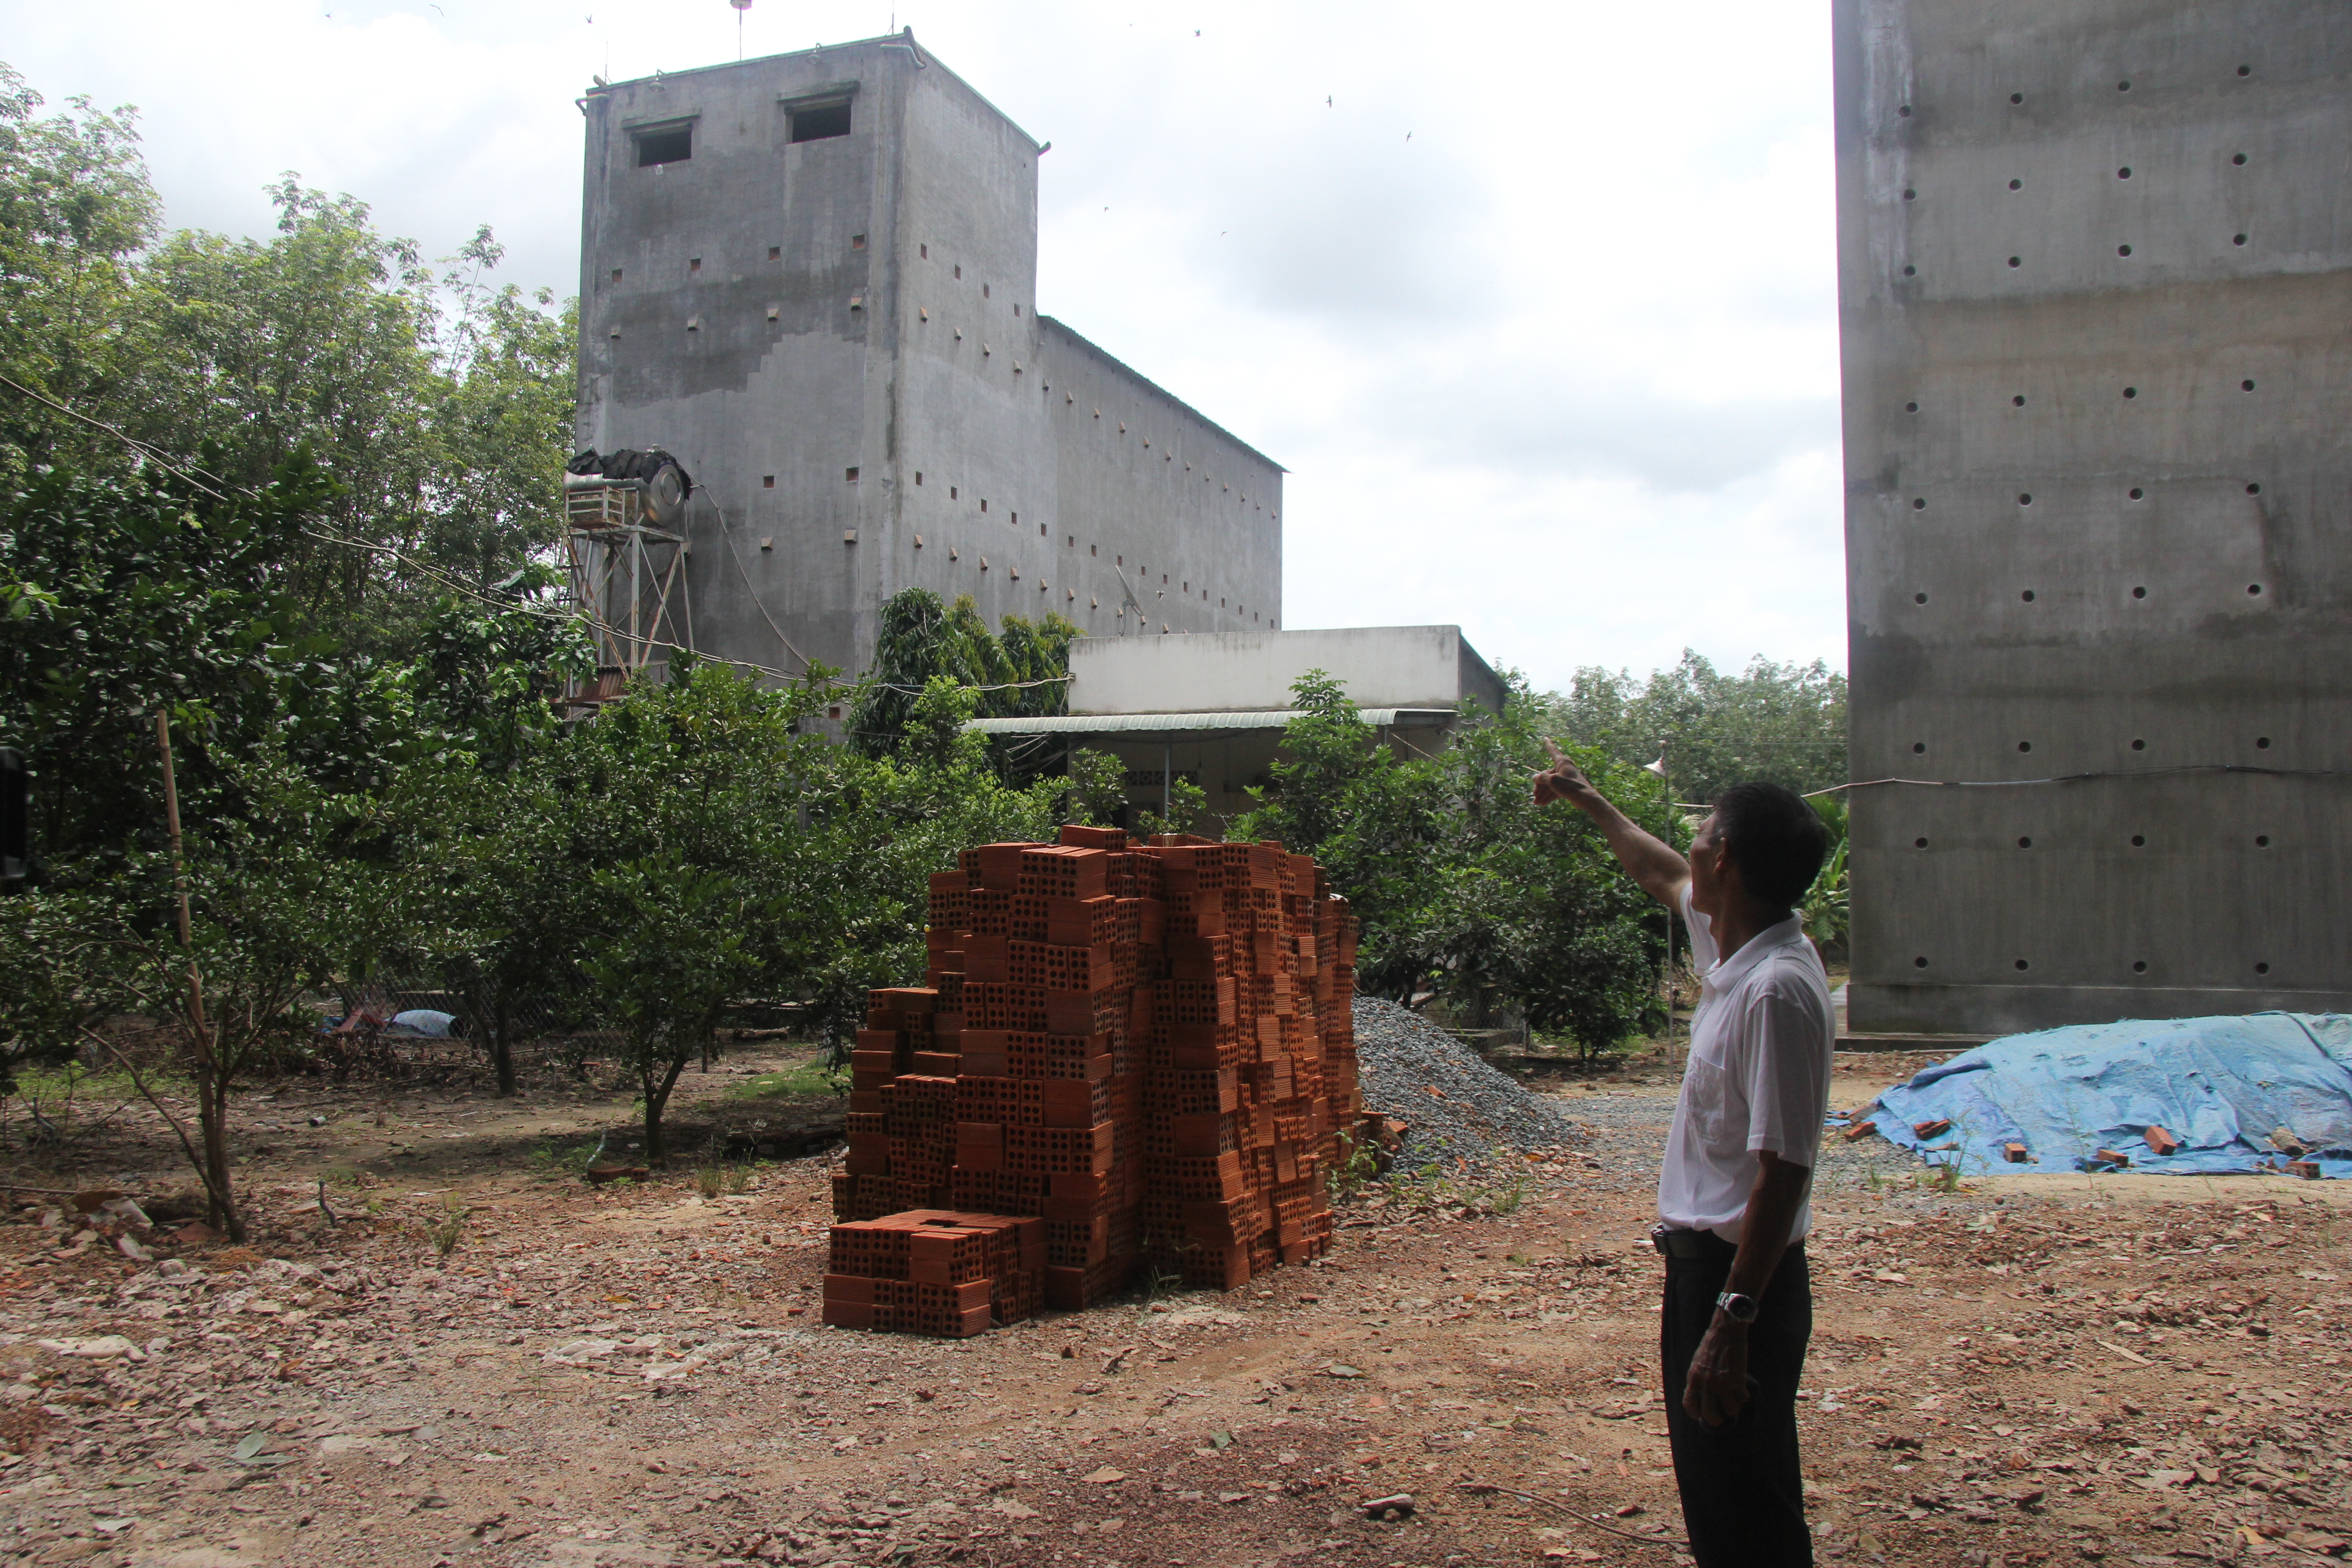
column 1742, row 1488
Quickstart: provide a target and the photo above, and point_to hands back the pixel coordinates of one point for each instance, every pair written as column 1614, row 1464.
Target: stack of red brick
column 1150, row 1048
column 929, row 1272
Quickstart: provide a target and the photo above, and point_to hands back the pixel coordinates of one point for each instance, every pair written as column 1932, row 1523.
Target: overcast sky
column 1536, row 302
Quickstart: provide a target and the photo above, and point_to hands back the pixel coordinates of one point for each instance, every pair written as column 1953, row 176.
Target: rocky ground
column 2026, row 1370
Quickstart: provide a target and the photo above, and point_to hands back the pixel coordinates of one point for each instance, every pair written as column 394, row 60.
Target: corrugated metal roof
column 1160, row 723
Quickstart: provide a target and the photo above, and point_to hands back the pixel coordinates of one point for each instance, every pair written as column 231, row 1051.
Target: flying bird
column 1408, row 135
column 1327, row 100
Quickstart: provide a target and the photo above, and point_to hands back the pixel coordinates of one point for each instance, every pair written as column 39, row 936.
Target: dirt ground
column 2027, row 1370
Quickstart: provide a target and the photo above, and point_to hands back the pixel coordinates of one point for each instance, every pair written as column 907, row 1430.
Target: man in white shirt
column 1732, row 1211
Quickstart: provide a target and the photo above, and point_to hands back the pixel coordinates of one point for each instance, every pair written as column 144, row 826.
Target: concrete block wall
column 839, row 337
column 2095, row 279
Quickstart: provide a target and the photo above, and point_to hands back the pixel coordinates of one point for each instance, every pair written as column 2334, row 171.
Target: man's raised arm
column 1659, row 870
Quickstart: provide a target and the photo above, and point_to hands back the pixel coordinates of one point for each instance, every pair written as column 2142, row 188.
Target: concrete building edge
column 2004, row 1009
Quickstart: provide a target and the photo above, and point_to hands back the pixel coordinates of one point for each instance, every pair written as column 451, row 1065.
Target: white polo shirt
column 1759, row 1075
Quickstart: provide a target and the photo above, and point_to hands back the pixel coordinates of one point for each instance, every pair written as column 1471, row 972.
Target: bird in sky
column 1327, row 100
column 1408, row 135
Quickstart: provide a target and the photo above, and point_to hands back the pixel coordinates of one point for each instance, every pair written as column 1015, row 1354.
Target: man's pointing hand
column 1564, row 781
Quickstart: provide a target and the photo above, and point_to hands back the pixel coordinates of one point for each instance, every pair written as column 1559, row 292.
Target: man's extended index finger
column 1555, row 757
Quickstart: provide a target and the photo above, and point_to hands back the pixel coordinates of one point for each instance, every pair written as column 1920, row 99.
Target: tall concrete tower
column 812, row 278
column 2096, row 281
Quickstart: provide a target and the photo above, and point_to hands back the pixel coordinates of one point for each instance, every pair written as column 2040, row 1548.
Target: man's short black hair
column 1776, row 840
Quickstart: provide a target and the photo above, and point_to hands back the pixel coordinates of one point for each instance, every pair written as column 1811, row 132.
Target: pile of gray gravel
column 1478, row 1114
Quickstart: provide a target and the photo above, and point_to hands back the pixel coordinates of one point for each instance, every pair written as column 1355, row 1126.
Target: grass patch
column 810, row 1079
column 551, row 1161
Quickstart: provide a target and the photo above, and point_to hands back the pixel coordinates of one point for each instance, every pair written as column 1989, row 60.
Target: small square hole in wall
column 856, row 242
column 959, row 269
column 767, row 481
column 850, row 475
column 664, row 144
column 983, row 291
column 776, row 253
column 918, row 476
column 1041, row 527
column 926, row 251
column 820, row 121
column 768, row 542
column 951, row 492
column 694, row 264
column 983, row 504
column 616, row 275
column 775, row 312
column 1094, row 550
column 834, row 712
column 1016, row 309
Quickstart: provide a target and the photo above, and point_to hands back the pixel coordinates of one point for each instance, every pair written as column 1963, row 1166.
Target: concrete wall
column 1379, row 667
column 857, row 378
column 2099, row 499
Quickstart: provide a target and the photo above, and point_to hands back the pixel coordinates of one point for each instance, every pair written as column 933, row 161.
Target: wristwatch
column 1737, row 1307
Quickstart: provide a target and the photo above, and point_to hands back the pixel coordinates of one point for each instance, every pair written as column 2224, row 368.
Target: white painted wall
column 1379, row 666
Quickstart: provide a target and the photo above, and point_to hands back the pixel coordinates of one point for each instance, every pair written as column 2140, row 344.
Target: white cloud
column 1561, row 367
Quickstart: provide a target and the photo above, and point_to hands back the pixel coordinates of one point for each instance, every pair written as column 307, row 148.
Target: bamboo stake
column 216, row 1162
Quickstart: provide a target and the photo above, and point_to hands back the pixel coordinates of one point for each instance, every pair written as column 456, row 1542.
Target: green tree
column 75, row 209
column 675, row 949
column 677, row 809
column 1461, row 884
column 158, row 596
column 1785, row 723
column 1021, row 671
column 280, row 907
column 54, row 967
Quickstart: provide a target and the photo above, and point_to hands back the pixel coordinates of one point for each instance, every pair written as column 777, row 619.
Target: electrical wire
column 2096, row 774
column 757, row 603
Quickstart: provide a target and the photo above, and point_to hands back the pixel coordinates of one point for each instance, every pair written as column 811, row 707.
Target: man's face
column 1708, row 867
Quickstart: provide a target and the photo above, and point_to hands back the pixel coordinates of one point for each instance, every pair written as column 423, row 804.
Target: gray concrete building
column 2096, row 284
column 812, row 278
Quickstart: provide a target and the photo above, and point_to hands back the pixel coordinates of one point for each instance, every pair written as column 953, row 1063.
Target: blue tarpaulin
column 2220, row 1086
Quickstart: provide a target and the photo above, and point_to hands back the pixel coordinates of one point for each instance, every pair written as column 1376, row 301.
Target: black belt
column 1677, row 1241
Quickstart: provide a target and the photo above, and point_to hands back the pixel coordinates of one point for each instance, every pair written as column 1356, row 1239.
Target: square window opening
column 850, row 475
column 918, row 476
column 821, row 121
column 616, row 275
column 926, row 251
column 767, row 481
column 694, row 264
column 776, row 253
column 664, row 144
column 856, row 242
